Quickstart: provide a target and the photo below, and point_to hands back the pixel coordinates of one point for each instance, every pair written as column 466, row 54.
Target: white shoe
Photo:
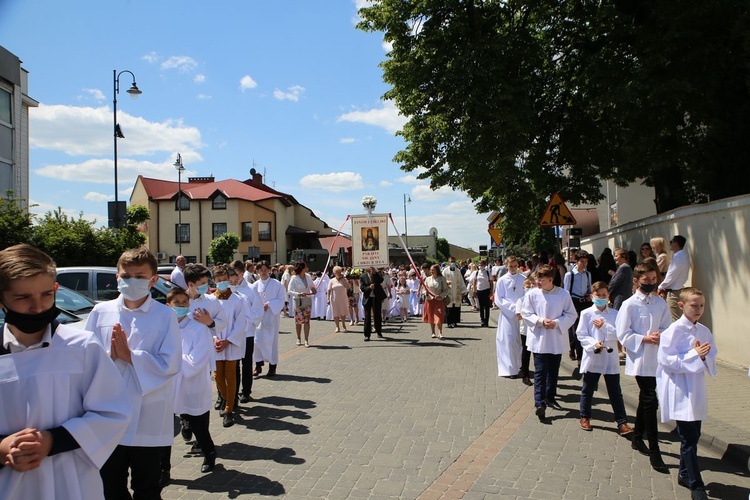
column 351, row 323
column 306, row 344
column 299, row 342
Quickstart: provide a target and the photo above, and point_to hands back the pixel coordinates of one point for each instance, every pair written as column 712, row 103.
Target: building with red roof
column 269, row 223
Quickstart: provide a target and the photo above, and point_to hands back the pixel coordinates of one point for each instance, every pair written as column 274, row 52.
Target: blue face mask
column 222, row 286
column 202, row 289
column 133, row 288
column 181, row 311
column 600, row 302
column 233, row 288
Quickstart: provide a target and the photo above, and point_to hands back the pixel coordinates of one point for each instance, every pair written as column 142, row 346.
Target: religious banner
column 369, row 240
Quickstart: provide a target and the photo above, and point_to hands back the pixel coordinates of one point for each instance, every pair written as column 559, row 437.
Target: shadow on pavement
column 298, row 378
column 284, row 401
column 244, row 452
column 262, row 421
column 273, row 412
column 232, row 483
column 330, row 347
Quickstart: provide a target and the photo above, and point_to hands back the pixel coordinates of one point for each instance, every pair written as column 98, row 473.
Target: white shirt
column 244, row 293
column 178, row 278
column 249, row 277
column 640, row 315
column 192, row 387
column 11, row 343
column 677, row 272
column 235, row 330
column 680, row 376
column 556, row 305
column 580, row 288
column 73, row 384
column 606, row 363
column 483, row 279
column 156, row 348
column 298, row 286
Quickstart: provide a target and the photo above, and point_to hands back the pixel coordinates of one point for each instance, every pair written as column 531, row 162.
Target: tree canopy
column 221, row 249
column 512, row 101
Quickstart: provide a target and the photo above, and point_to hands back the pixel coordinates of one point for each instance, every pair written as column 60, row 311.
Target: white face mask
column 133, row 288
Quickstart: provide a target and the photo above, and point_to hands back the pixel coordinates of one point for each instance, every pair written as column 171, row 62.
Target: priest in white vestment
column 267, row 304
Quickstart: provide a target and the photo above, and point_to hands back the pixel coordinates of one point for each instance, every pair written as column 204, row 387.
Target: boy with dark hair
column 686, row 354
column 144, row 341
column 64, row 404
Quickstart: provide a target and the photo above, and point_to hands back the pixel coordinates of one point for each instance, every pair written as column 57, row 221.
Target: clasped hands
column 24, row 450
column 119, row 348
column 549, row 324
column 702, row 349
column 220, row 344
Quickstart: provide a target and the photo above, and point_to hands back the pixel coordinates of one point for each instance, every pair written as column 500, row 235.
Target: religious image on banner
column 370, row 240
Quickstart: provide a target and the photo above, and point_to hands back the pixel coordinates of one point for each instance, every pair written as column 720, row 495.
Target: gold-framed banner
column 369, row 240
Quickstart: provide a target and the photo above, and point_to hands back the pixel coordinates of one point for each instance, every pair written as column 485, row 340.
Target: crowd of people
column 113, row 395
column 635, row 307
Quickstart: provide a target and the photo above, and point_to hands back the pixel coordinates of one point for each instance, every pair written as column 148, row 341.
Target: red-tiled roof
column 157, row 189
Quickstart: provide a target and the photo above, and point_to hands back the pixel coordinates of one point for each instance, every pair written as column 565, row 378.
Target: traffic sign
column 557, row 213
column 497, row 235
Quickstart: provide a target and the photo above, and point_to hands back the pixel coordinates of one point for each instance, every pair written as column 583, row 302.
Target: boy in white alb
column 64, row 407
column 230, row 344
column 549, row 312
column 640, row 321
column 268, row 300
column 598, row 337
column 144, row 342
column 686, row 354
column 508, row 291
column 241, row 287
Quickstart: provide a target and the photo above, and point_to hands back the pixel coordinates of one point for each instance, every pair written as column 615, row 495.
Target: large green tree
column 15, row 221
column 512, row 101
column 221, row 249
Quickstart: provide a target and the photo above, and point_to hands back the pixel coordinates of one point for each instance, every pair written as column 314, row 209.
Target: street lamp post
column 180, row 168
column 407, row 199
column 134, row 92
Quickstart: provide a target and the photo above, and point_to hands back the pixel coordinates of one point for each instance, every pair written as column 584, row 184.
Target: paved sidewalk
column 411, row 416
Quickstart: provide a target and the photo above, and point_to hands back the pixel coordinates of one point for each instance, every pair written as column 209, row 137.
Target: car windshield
column 73, row 302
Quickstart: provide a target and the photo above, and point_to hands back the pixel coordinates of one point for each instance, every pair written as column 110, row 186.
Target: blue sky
column 291, row 85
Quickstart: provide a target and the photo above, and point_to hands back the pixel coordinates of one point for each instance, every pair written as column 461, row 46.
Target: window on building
column 183, row 203
column 5, row 107
column 247, row 231
column 219, row 203
column 182, row 233
column 264, row 231
column 218, row 228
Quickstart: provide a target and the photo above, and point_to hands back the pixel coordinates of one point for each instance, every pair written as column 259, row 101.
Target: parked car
column 64, row 318
column 73, row 302
column 100, row 283
column 165, row 270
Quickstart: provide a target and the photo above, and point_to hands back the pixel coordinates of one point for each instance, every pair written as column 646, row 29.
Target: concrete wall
column 718, row 243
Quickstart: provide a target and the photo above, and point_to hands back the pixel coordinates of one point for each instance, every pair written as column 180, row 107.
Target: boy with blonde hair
column 687, row 353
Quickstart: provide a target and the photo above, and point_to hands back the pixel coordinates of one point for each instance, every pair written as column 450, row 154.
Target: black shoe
column 683, row 481
column 245, row 398
column 577, row 373
column 209, row 462
column 450, row 325
column 540, row 413
column 228, row 419
column 219, row 403
column 698, row 495
column 164, row 479
column 380, row 335
column 657, row 463
column 195, row 449
column 187, row 433
column 271, row 371
column 639, row 445
column 554, row 405
column 572, row 355
column 527, row 381
column 222, row 412
column 367, row 339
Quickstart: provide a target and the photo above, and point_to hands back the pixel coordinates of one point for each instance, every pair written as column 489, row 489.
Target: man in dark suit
column 621, row 284
column 372, row 299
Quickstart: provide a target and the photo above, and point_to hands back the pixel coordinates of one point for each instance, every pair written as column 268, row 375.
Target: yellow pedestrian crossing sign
column 557, row 213
column 497, row 235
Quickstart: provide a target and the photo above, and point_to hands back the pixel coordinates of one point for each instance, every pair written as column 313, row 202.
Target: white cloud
column 387, row 46
column 199, row 78
column 42, row 208
column 347, row 140
column 358, row 4
column 99, row 170
column 151, row 57
column 335, row 181
column 293, row 93
column 411, row 179
column 385, row 184
column 422, row 192
column 184, row 64
column 247, row 82
column 96, row 94
column 98, row 197
column 81, row 130
column 387, row 117
column 203, row 97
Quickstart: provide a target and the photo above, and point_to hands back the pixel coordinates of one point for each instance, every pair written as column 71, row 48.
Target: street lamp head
column 134, row 91
column 178, row 163
column 407, row 198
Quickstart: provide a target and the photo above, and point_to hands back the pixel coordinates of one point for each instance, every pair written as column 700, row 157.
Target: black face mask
column 646, row 289
column 31, row 323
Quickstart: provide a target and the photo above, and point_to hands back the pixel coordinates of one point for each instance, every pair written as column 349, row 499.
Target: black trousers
column 144, row 463
column 645, row 416
column 525, row 358
column 483, row 296
column 575, row 344
column 690, row 433
column 247, row 367
column 546, row 371
column 199, row 426
column 453, row 315
column 373, row 309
